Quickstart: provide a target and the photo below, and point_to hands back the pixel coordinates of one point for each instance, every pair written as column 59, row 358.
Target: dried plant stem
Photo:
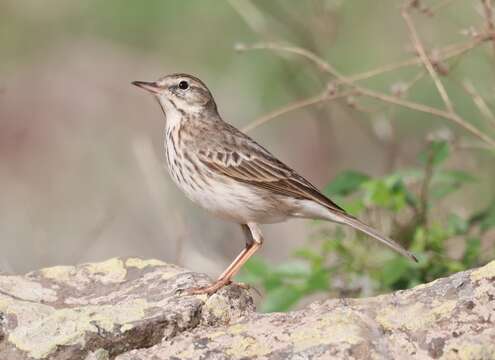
column 414, row 81
column 478, row 100
column 425, row 59
column 430, row 110
column 445, row 53
column 360, row 90
column 315, row 59
column 295, row 106
column 489, row 23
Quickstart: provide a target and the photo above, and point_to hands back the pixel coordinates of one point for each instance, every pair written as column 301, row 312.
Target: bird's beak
column 151, row 87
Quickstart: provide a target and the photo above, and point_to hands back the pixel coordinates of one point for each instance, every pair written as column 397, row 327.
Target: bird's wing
column 252, row 164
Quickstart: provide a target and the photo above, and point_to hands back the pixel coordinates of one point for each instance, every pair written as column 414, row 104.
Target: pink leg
column 252, row 245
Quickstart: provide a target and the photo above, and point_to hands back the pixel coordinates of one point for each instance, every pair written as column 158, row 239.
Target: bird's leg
column 254, row 240
column 249, row 243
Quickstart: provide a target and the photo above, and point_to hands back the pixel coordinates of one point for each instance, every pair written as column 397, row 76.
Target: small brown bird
column 228, row 173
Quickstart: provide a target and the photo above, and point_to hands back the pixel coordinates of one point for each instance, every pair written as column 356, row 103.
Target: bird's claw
column 208, row 290
column 214, row 287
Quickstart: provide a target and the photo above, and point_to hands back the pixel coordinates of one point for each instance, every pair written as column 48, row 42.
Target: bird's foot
column 210, row 289
column 217, row 285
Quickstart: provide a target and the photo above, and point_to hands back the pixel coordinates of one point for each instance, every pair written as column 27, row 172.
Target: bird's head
column 180, row 94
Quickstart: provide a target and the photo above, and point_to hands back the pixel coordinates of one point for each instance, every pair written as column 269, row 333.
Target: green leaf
column 354, row 206
column 345, row 183
column 397, row 185
column 419, row 240
column 281, row 299
column 389, row 193
column 436, row 153
column 436, row 236
column 376, row 193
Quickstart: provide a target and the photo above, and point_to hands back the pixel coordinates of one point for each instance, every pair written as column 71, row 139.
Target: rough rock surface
column 99, row 310
column 129, row 309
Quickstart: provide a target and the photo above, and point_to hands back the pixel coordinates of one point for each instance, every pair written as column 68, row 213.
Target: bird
column 226, row 172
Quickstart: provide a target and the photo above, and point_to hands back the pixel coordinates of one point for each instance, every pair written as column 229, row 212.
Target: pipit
column 231, row 175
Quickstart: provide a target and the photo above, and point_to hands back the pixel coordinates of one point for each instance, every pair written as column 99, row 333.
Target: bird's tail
column 358, row 225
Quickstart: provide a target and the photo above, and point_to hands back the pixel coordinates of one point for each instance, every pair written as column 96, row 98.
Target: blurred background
column 82, row 168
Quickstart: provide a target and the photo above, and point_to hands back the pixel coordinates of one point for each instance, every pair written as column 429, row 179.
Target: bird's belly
column 223, row 196
column 234, row 201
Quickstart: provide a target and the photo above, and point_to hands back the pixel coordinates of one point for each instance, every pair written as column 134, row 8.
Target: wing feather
column 264, row 171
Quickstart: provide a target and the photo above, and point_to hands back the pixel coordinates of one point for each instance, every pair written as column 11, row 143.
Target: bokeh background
column 82, row 174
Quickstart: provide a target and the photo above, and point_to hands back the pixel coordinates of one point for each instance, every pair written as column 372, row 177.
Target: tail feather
column 358, row 225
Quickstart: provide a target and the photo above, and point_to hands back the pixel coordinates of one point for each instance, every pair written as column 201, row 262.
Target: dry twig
column 489, row 23
column 424, row 57
column 432, row 64
column 295, row 106
column 478, row 100
column 326, row 67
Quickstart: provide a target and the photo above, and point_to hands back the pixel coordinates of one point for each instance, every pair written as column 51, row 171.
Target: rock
column 96, row 311
column 129, row 309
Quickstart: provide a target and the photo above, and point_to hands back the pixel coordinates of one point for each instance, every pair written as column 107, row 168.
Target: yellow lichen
column 415, row 316
column 69, row 326
column 246, row 347
column 218, row 306
column 333, row 328
column 141, row 264
column 110, row 271
column 60, row 273
column 486, row 272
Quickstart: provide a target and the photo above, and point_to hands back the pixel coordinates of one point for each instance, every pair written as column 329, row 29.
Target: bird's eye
column 183, row 85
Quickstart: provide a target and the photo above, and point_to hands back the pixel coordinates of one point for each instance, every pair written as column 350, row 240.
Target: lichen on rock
column 131, row 309
column 70, row 312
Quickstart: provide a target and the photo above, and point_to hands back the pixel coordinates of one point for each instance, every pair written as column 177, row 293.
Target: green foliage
column 414, row 195
column 345, row 183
